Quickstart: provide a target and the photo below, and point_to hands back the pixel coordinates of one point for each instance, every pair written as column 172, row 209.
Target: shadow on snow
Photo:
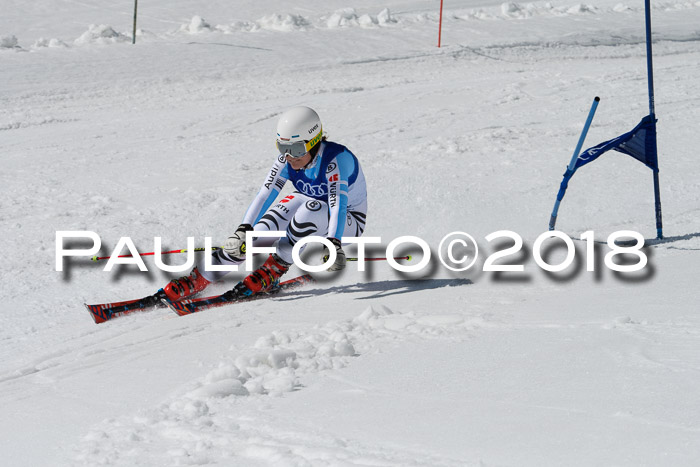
column 381, row 289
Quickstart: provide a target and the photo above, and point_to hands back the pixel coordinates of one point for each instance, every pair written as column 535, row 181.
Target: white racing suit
column 330, row 200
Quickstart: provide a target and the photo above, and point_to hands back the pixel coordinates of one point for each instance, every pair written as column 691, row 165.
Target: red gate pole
column 440, row 27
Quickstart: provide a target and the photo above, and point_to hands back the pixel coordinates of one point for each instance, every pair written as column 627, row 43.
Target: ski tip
column 94, row 314
column 597, row 99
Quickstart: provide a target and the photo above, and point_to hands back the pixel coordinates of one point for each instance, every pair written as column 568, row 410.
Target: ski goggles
column 298, row 149
column 295, row 150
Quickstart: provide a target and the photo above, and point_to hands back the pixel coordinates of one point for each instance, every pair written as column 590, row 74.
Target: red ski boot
column 268, row 275
column 178, row 289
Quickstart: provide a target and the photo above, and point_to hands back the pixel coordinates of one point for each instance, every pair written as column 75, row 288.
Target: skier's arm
column 338, row 174
column 269, row 190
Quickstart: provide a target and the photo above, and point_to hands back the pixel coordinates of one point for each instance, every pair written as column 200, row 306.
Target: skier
column 330, row 199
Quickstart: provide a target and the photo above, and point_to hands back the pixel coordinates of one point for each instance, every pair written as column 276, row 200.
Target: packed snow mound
column 385, row 17
column 581, row 9
column 283, row 23
column 621, row 7
column 347, row 17
column 272, row 22
column 517, row 11
column 343, row 18
column 8, row 42
column 197, row 25
column 52, row 43
column 102, row 34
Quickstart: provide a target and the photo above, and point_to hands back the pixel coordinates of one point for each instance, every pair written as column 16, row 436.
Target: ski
column 102, row 312
column 189, row 306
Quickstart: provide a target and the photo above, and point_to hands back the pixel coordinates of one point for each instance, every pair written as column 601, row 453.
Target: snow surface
column 171, row 137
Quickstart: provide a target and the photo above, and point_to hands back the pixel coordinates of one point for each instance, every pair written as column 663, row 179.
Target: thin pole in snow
column 440, row 26
column 572, row 164
column 650, row 67
column 133, row 36
column 582, row 138
column 650, row 79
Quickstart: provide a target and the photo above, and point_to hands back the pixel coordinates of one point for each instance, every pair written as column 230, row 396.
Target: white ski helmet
column 298, row 131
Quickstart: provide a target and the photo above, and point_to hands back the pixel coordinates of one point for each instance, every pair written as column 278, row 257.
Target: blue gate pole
column 650, row 79
column 572, row 164
column 650, row 67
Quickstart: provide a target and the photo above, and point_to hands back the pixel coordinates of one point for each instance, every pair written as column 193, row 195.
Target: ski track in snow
column 203, row 422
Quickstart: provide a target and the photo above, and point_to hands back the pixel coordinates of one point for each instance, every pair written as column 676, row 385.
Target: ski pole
column 407, row 258
column 151, row 253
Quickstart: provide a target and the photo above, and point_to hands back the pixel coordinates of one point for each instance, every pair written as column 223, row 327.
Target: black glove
column 235, row 245
column 339, row 255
